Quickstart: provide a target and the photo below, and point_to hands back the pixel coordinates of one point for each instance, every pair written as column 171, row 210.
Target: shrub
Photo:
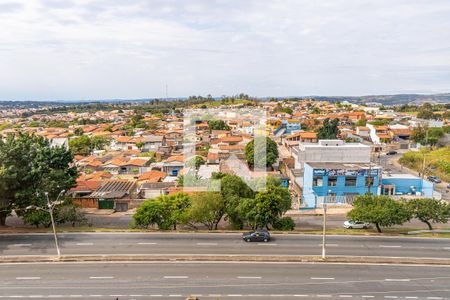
column 284, row 223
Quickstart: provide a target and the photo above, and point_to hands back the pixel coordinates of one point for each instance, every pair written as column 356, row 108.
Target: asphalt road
column 221, row 243
column 222, row 281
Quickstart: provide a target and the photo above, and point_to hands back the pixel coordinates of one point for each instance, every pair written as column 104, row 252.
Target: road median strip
column 226, row 258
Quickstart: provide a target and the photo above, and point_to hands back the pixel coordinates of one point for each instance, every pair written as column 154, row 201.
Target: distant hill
column 390, row 99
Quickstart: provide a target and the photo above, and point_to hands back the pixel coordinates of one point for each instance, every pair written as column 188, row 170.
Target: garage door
column 106, row 204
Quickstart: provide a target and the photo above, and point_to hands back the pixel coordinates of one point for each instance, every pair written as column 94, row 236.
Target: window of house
column 350, row 181
column 317, row 181
column 332, row 181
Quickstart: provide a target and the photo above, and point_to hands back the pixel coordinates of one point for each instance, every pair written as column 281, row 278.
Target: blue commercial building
column 338, row 182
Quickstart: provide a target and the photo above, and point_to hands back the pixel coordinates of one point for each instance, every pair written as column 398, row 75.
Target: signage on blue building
column 343, row 172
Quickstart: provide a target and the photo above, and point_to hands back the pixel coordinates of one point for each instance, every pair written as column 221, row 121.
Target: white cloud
column 129, row 49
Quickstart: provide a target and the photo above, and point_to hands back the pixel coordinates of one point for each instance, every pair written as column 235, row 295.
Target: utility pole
column 324, row 234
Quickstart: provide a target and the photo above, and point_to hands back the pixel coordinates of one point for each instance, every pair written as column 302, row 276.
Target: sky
column 111, row 49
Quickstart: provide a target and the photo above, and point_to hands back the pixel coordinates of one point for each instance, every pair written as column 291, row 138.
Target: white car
column 356, row 225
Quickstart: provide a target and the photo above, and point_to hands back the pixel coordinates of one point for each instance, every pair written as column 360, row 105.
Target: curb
column 225, row 258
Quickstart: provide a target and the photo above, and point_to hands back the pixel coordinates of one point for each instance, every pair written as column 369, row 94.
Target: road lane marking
column 207, row 244
column 389, row 246
column 301, row 295
column 28, row 278
column 176, row 277
column 398, row 279
column 145, row 243
column 411, row 297
column 330, row 245
column 101, row 277
column 85, row 244
column 434, row 298
column 345, row 296
column 324, row 296
column 368, row 296
column 322, row 278
column 234, row 295
column 249, row 277
column 173, row 295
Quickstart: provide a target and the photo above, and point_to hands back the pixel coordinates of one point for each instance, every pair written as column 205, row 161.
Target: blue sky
column 105, row 49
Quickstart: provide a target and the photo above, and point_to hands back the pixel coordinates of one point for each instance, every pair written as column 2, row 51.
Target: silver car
column 356, row 225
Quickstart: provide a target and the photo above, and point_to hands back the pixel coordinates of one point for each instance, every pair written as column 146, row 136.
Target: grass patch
column 437, row 162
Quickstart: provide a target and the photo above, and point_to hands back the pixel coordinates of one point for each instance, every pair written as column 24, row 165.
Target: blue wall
column 403, row 185
column 310, row 191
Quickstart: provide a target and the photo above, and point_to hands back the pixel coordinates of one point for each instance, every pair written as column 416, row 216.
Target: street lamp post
column 50, row 206
column 324, row 234
column 50, row 210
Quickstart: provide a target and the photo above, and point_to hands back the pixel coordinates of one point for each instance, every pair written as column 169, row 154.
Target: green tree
column 382, row 211
column 207, row 208
column 29, row 166
column 81, row 145
column 361, row 122
column 218, row 125
column 78, row 131
column 284, row 223
column 269, row 150
column 233, row 190
column 429, row 210
column 164, row 211
column 329, row 130
column 196, row 162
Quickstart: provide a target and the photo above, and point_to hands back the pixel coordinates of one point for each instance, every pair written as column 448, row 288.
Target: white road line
column 85, row 244
column 174, row 295
column 249, row 277
column 434, row 298
column 28, row 278
column 322, row 278
column 411, row 297
column 330, row 245
column 21, row 245
column 345, row 296
column 367, row 296
column 207, row 244
column 176, row 277
column 324, row 296
column 147, row 243
column 301, row 295
column 389, row 246
column 101, row 277
column 155, row 295
column 234, row 295
column 398, row 279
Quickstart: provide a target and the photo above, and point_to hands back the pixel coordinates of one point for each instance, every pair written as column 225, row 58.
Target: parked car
column 256, row 236
column 434, row 179
column 392, row 152
column 448, row 186
column 356, row 225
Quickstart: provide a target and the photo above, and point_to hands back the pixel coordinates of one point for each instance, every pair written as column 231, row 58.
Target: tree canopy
column 329, row 130
column 429, row 210
column 29, row 166
column 382, row 211
column 270, row 153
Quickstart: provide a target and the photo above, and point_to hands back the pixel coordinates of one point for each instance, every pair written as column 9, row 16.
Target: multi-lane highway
column 222, row 281
column 220, row 243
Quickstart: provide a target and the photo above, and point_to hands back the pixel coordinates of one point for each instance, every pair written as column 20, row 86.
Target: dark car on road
column 434, row 179
column 392, row 152
column 256, row 236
